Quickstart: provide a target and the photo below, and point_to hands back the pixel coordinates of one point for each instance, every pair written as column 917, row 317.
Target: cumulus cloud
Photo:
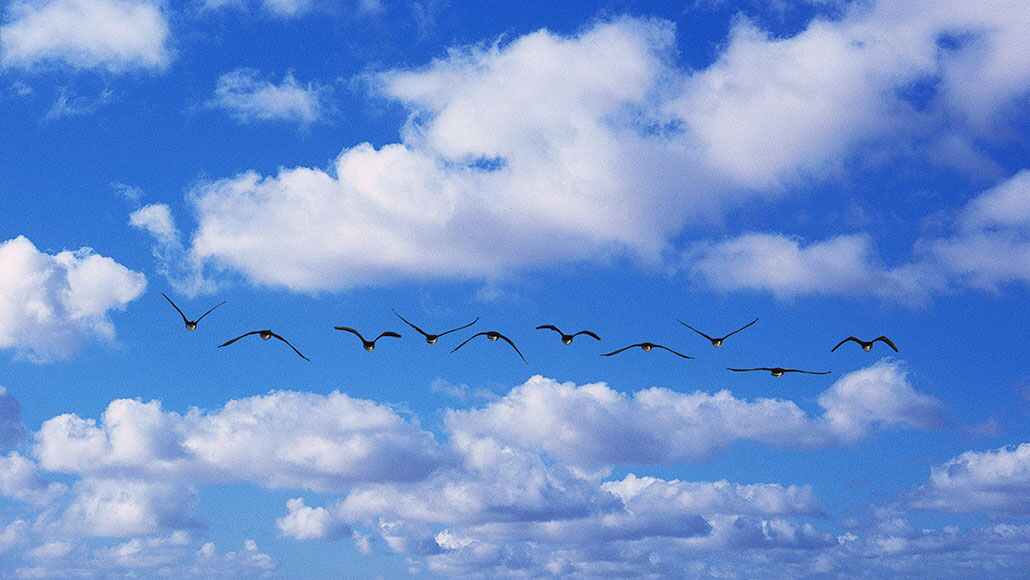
column 592, row 425
column 991, row 244
column 280, row 8
column 114, row 35
column 248, row 98
column 996, row 481
column 172, row 555
column 50, row 302
column 786, row 267
column 19, row 479
column 523, row 142
column 283, row 439
column 126, row 507
column 308, row 523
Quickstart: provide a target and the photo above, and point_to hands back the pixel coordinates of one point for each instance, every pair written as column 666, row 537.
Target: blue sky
column 830, row 168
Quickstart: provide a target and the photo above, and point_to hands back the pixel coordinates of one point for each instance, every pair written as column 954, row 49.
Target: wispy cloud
column 248, row 98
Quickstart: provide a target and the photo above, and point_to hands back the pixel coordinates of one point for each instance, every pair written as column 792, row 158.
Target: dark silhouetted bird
column 368, row 345
column 494, row 336
column 867, row 345
column 191, row 325
column 567, row 338
column 778, row 371
column 646, row 347
column 717, row 341
column 265, row 335
column 432, row 338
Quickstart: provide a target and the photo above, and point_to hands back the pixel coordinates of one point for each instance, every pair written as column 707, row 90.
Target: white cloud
column 992, row 243
column 13, row 534
column 248, row 98
column 283, row 439
column 115, row 35
column 49, row 303
column 19, row 479
column 156, row 219
column 529, row 144
column 307, row 523
column 173, row 260
column 995, row 481
column 787, row 268
column 879, row 395
column 594, row 425
column 126, row 507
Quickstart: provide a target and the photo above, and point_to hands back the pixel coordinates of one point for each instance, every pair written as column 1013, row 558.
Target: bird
column 368, row 345
column 867, row 345
column 717, row 342
column 567, row 338
column 778, row 371
column 432, row 338
column 646, row 347
column 265, row 335
column 191, row 325
column 494, row 336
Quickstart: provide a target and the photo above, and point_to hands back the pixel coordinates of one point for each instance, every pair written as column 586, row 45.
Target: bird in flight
column 778, row 371
column 265, row 335
column 432, row 338
column 494, row 336
column 368, row 345
column 867, row 345
column 717, row 341
column 567, row 338
column 646, row 347
column 191, row 325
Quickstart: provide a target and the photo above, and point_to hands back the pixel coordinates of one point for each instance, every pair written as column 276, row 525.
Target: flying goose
column 646, row 347
column 567, row 338
column 432, row 338
column 867, row 345
column 265, row 335
column 191, row 325
column 778, row 371
column 718, row 341
column 494, row 336
column 368, row 345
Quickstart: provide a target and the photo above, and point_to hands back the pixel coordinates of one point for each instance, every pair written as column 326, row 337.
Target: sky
column 830, row 168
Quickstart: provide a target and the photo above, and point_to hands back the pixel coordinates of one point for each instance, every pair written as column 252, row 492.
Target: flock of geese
column 494, row 336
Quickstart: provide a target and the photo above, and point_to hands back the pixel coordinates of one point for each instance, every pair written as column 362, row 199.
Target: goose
column 717, row 341
column 646, row 347
column 368, row 345
column 265, row 335
column 567, row 338
column 432, row 338
column 191, row 325
column 494, row 336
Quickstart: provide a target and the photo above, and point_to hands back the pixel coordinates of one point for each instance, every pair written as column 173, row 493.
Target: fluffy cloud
column 307, row 523
column 19, row 479
column 49, row 303
column 283, row 439
column 115, row 35
column 525, row 143
column 786, row 268
column 995, row 481
column 992, row 243
column 593, row 425
column 126, row 507
column 248, row 98
column 174, row 555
